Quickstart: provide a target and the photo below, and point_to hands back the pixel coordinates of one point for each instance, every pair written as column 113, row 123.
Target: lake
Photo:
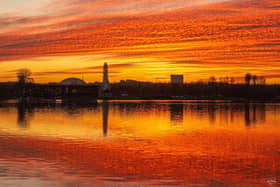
column 140, row 143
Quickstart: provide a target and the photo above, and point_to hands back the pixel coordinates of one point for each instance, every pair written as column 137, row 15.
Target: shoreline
column 133, row 100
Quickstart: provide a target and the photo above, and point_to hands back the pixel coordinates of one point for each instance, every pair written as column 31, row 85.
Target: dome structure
column 72, row 82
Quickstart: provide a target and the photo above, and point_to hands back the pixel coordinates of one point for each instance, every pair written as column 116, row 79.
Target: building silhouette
column 177, row 79
column 73, row 82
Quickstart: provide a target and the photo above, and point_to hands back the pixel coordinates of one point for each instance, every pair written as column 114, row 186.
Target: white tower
column 106, row 85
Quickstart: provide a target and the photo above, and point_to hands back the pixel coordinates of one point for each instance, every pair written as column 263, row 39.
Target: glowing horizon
column 144, row 40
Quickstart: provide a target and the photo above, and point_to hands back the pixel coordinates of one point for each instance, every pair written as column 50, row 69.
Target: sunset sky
column 145, row 39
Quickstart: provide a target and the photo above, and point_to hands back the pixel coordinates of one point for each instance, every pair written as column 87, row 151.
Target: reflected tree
column 254, row 113
column 24, row 114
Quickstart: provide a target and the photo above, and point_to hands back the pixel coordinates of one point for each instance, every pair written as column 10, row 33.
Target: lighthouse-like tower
column 105, row 85
column 105, row 91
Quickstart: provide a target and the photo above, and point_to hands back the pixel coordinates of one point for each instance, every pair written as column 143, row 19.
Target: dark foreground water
column 140, row 143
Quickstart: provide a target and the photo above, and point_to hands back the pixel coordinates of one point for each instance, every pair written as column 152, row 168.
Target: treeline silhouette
column 48, row 91
column 211, row 90
column 143, row 90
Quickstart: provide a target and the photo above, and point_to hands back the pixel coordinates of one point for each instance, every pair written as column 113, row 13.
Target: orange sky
column 144, row 40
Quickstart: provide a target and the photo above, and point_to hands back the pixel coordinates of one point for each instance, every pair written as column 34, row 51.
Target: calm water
column 140, row 143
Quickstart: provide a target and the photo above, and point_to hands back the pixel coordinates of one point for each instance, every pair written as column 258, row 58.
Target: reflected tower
column 105, row 113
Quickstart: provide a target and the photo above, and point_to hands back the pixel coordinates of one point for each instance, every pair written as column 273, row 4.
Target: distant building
column 177, row 79
column 129, row 82
column 72, row 82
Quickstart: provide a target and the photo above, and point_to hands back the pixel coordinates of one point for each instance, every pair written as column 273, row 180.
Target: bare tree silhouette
column 23, row 76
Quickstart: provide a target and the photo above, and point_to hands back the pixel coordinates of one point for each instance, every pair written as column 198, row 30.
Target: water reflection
column 212, row 113
column 105, row 113
column 212, row 145
column 254, row 113
column 176, row 113
column 25, row 114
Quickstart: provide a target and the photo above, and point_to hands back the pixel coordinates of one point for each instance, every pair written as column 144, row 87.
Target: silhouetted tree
column 23, row 76
column 227, row 80
column 262, row 80
column 254, row 78
column 212, row 80
column 248, row 78
column 232, row 80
